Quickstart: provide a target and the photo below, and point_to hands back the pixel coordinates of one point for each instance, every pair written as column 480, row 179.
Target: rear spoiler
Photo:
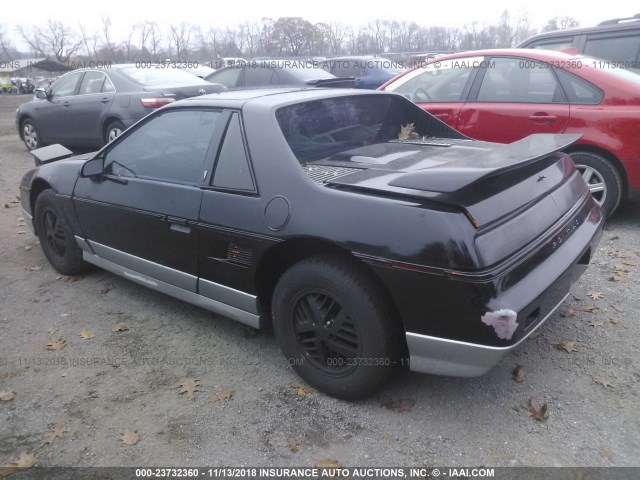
column 50, row 154
column 478, row 165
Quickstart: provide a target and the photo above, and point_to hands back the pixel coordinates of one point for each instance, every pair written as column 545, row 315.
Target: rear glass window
column 324, row 129
column 618, row 48
column 579, row 91
column 161, row 76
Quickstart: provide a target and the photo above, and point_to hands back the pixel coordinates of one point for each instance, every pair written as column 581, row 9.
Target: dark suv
column 617, row 41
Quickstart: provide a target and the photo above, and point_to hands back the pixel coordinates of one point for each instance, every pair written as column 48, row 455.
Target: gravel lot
column 94, row 388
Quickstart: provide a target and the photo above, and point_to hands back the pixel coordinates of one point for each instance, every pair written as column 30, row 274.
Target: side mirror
column 92, row 168
column 41, row 93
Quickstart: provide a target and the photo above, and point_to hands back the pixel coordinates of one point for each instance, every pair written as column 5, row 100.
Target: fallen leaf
column 567, row 346
column 537, row 409
column 604, row 453
column 129, row 438
column 328, row 463
column 121, row 327
column 87, row 334
column 614, row 320
column 619, row 254
column 568, row 313
column 57, row 433
column 52, row 330
column 28, row 247
column 518, row 374
column 620, row 269
column 617, row 308
column 6, row 205
column 35, row 268
column 293, row 445
column 73, row 278
column 64, row 374
column 535, row 334
column 602, row 381
column 104, row 289
column 7, row 395
column 25, row 460
column 21, row 232
column 54, row 344
column 405, row 405
column 225, row 395
column 631, row 263
column 616, row 278
column 595, row 295
column 188, row 386
column 595, row 323
column 302, row 389
column 589, row 308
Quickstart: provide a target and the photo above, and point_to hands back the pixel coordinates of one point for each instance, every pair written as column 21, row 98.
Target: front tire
column 30, row 135
column 336, row 326
column 56, row 236
column 602, row 178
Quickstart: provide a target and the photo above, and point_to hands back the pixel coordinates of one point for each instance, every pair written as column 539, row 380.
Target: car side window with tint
column 66, row 85
column 617, row 48
column 91, row 83
column 232, row 169
column 579, row 91
column 559, row 43
column 170, row 147
column 107, row 86
column 228, row 78
column 438, row 81
column 519, row 80
column 258, row 77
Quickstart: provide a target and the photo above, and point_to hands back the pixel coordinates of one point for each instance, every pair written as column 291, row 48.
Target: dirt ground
column 70, row 406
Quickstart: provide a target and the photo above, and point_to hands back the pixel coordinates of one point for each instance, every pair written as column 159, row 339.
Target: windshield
column 161, row 76
column 323, row 129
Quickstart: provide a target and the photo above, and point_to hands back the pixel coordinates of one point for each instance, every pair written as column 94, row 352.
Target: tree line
column 283, row 37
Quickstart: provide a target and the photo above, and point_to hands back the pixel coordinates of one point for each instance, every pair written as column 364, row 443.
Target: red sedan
column 506, row 95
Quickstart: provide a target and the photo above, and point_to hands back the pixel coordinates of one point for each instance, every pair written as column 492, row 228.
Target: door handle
column 441, row 116
column 542, row 118
column 67, row 104
column 179, row 224
column 105, row 100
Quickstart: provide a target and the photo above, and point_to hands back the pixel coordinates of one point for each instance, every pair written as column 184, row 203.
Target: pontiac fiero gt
column 370, row 234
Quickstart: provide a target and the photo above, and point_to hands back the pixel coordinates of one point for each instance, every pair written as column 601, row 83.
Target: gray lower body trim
column 228, row 295
column 83, row 244
column 28, row 219
column 441, row 356
column 145, row 267
column 229, row 311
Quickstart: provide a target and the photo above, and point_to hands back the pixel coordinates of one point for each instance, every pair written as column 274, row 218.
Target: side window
column 439, row 81
column 66, row 85
column 170, row 147
column 232, row 168
column 618, row 48
column 91, row 83
column 228, row 78
column 557, row 43
column 257, row 77
column 579, row 91
column 519, row 80
column 344, row 68
column 108, row 87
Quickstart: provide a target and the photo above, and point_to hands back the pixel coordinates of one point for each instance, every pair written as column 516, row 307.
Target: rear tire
column 113, row 131
column 56, row 236
column 336, row 326
column 602, row 178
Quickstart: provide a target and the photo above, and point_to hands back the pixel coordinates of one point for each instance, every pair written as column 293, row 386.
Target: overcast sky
column 124, row 13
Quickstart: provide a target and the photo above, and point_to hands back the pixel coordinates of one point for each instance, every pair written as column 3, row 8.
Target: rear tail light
column 156, row 102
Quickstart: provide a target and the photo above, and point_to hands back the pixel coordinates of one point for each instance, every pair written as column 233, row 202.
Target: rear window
column 161, row 76
column 325, row 128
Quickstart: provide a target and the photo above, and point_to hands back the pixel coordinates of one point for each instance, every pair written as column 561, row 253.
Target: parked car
column 367, row 71
column 90, row 107
column 371, row 235
column 506, row 95
column 616, row 41
column 276, row 73
column 200, row 70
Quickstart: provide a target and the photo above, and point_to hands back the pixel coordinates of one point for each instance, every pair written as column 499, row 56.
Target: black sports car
column 90, row 107
column 369, row 233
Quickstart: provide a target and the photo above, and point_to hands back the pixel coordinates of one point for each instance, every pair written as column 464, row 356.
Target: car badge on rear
column 202, row 91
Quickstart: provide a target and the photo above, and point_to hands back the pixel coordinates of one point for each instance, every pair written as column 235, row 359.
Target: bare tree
column 294, row 34
column 90, row 41
column 7, row 49
column 180, row 37
column 106, row 26
column 560, row 23
column 31, row 37
column 128, row 45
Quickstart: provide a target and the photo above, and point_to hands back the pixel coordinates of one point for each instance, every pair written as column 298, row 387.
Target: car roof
column 534, row 53
column 614, row 25
column 269, row 97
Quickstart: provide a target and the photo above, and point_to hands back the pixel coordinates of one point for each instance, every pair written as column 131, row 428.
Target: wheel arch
column 38, row 186
column 21, row 119
column 107, row 121
column 283, row 255
column 613, row 159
